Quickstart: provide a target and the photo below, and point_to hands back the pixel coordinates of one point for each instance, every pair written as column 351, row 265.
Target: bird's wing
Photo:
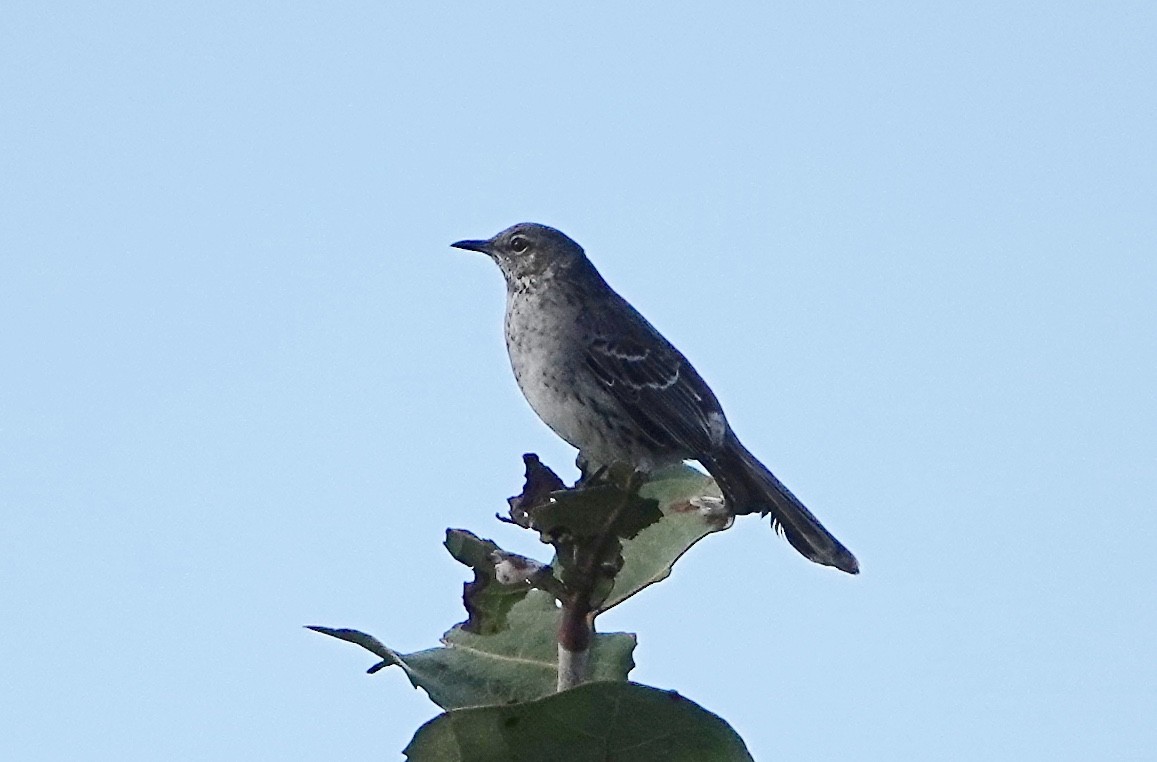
column 656, row 385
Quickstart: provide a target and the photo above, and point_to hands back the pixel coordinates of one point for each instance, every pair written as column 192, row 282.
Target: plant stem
column 576, row 625
column 572, row 667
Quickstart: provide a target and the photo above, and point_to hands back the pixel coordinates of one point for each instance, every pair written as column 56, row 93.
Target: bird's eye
column 519, row 244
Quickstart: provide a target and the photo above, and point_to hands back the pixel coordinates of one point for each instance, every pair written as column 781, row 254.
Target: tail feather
column 748, row 486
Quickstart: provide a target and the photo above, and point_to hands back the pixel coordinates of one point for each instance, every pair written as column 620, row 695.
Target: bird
column 608, row 383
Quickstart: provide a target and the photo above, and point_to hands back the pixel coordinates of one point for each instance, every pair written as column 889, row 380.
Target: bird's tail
column 748, row 486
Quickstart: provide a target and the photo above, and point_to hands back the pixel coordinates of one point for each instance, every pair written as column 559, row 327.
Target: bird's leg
column 589, row 472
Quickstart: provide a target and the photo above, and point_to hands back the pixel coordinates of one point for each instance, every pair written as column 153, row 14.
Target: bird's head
column 527, row 249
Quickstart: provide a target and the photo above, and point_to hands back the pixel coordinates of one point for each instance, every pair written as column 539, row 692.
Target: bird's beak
column 482, row 246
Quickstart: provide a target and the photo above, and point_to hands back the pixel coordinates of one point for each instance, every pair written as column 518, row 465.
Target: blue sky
column 246, row 384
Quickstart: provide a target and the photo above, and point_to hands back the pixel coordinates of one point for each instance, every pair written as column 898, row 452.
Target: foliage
column 498, row 675
column 600, row 721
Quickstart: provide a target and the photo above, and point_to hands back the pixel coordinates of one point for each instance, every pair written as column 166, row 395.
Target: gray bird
column 598, row 374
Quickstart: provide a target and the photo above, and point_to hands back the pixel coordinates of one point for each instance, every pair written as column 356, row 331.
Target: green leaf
column 595, row 722
column 650, row 554
column 390, row 657
column 585, row 511
column 517, row 664
column 487, row 601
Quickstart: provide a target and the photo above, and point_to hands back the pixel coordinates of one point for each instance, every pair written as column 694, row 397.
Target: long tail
column 748, row 486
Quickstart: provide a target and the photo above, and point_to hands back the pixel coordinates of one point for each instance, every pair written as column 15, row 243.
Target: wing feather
column 656, row 386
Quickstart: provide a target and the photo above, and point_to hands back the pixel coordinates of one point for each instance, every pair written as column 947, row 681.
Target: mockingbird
column 598, row 374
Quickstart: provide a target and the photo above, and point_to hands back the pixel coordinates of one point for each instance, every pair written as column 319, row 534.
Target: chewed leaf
column 486, row 598
column 540, row 481
column 584, row 512
column 691, row 511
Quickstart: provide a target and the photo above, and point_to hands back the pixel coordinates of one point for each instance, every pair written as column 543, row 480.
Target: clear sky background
column 245, row 384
